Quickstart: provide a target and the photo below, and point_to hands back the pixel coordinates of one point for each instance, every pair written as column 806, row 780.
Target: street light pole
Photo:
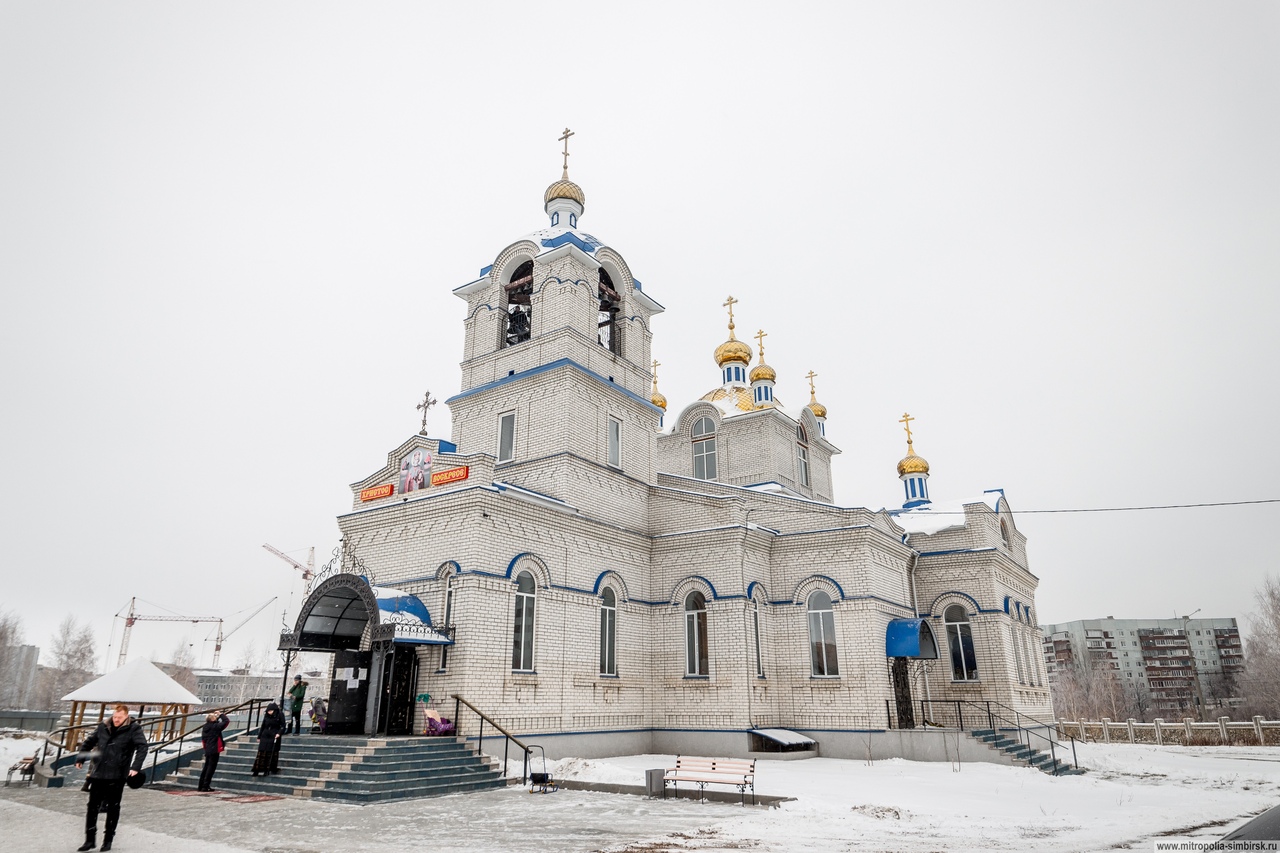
column 1195, row 671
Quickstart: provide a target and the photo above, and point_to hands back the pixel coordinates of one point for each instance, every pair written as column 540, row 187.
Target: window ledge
column 703, row 678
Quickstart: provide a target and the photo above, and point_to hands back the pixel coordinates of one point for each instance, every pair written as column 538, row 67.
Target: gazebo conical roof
column 138, row 682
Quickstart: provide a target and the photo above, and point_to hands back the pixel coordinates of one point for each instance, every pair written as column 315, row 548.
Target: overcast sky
column 229, row 232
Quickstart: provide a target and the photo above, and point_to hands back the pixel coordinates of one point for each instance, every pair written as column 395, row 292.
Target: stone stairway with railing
column 353, row 769
column 1023, row 754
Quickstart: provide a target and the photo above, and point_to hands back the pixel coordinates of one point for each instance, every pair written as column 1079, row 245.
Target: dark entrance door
column 902, row 694
column 349, row 692
column 399, row 684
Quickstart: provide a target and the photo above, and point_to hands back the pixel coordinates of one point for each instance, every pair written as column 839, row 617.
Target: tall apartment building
column 1180, row 664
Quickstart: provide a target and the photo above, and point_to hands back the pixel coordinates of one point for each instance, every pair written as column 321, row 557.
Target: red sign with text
column 384, row 491
column 452, row 475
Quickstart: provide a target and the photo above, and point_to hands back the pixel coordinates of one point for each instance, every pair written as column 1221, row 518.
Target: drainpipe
column 915, row 607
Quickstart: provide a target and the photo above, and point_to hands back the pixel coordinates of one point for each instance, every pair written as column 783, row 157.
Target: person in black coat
column 211, row 739
column 119, row 747
column 268, row 760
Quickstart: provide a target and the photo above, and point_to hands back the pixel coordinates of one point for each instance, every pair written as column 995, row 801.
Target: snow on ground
column 1132, row 794
column 16, row 744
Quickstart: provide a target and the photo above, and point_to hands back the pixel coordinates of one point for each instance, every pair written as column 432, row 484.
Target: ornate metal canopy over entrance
column 334, row 617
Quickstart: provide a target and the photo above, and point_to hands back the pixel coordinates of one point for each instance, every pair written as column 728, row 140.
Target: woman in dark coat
column 268, row 760
column 211, row 740
column 119, row 747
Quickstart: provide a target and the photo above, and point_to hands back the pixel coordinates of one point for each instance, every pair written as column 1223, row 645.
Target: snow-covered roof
column 938, row 516
column 138, row 682
column 784, row 736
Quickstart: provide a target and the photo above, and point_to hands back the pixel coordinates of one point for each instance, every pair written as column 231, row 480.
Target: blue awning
column 910, row 638
column 409, row 616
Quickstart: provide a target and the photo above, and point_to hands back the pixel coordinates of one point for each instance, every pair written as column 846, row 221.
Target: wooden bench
column 738, row 772
column 25, row 768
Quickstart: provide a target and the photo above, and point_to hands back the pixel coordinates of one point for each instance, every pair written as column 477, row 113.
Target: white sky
column 228, row 235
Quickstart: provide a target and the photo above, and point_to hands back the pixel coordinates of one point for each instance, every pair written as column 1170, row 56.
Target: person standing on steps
column 119, row 746
column 268, row 760
column 211, row 740
column 297, row 694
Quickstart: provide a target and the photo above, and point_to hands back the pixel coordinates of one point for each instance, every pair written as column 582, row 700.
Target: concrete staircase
column 1023, row 754
column 353, row 769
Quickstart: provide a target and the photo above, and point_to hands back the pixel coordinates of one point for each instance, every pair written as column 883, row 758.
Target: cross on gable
column 427, row 402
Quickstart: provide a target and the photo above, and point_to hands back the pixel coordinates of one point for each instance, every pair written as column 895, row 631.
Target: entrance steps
column 353, row 769
column 1022, row 754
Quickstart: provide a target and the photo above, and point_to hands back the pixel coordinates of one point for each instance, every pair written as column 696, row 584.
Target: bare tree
column 1260, row 683
column 73, row 662
column 10, row 659
column 182, row 663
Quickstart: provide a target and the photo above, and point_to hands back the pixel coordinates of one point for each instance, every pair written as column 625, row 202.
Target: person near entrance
column 119, row 746
column 297, row 693
column 211, row 740
column 268, row 760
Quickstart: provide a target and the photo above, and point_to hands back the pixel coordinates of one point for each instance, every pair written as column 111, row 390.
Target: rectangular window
column 803, row 460
column 506, row 436
column 615, row 443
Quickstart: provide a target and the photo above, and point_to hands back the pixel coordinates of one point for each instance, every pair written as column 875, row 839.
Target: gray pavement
column 511, row 820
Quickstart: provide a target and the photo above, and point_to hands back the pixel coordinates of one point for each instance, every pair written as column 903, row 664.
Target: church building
column 605, row 575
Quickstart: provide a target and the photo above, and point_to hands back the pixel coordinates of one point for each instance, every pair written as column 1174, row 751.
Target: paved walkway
column 36, row 820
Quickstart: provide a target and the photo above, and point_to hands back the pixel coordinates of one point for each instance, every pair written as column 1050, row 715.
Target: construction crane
column 134, row 617
column 308, row 571
column 217, row 644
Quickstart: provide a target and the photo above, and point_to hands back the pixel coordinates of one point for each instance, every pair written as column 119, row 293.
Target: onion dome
column 656, row 396
column 763, row 372
column 732, row 351
column 819, row 410
column 565, row 188
column 912, row 464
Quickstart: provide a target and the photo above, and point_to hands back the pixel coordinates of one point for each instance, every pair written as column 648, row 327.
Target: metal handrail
column 458, row 702
column 253, row 705
column 1017, row 723
column 65, row 741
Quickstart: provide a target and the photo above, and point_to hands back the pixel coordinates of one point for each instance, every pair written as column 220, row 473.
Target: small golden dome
column 912, row 464
column 739, row 398
column 763, row 371
column 658, row 400
column 733, row 350
column 819, row 410
column 565, row 188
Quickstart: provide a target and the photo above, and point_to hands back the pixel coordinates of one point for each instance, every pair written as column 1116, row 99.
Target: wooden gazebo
column 139, row 684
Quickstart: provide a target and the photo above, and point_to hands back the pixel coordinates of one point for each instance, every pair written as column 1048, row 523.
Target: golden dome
column 733, row 350
column 912, row 464
column 819, row 410
column 763, row 371
column 565, row 188
column 738, row 397
column 658, row 400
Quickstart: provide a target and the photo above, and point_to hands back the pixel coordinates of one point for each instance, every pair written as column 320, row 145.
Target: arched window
column 802, row 455
column 704, row 449
column 822, row 636
column 522, row 640
column 755, row 629
column 1004, row 532
column 608, row 632
column 964, row 664
column 607, row 326
column 695, row 634
column 519, row 319
column 448, row 618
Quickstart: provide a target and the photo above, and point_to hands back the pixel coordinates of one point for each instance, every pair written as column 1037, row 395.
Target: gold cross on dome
column 906, row 424
column 760, row 336
column 810, row 376
column 729, row 303
column 565, row 139
column 427, row 402
column 656, row 365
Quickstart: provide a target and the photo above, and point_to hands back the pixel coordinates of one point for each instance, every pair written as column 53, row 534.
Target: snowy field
column 1131, row 795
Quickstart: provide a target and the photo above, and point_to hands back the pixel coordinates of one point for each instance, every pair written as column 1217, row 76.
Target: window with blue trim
column 964, row 662
column 522, row 638
column 695, row 634
column 608, row 632
column 822, row 636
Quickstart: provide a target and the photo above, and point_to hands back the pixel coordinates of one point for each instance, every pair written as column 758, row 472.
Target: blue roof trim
column 715, row 596
column 829, row 580
column 636, row 282
column 589, row 245
column 446, row 446
column 955, row 551
column 543, row 368
column 486, row 270
column 976, row 606
column 751, row 590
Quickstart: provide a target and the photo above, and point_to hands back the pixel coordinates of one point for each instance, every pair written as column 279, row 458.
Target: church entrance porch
column 906, row 640
column 374, row 634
